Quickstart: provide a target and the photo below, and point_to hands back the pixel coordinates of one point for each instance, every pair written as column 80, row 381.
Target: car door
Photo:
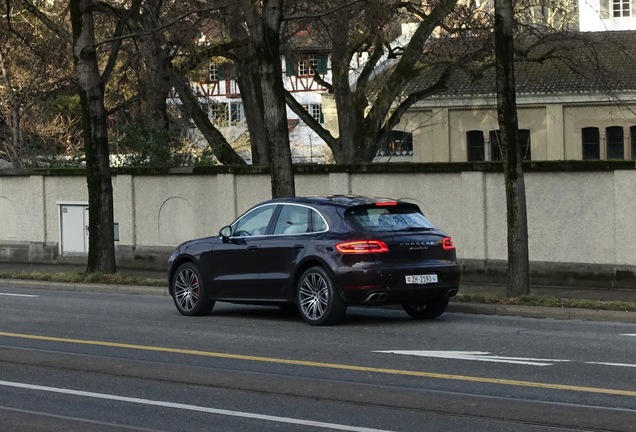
column 283, row 249
column 236, row 263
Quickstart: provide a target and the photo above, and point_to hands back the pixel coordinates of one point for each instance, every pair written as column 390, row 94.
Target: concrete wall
column 579, row 221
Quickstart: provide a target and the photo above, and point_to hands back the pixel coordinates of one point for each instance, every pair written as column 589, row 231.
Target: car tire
column 429, row 310
column 188, row 292
column 318, row 301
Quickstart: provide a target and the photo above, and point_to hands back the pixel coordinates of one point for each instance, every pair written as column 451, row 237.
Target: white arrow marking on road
column 478, row 356
column 17, row 295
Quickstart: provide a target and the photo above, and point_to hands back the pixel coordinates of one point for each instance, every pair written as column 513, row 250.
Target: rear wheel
column 189, row 294
column 429, row 310
column 318, row 301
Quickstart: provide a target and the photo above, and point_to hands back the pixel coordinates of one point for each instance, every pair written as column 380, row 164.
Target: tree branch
column 301, row 112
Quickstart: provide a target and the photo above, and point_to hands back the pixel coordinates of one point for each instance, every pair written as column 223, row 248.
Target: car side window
column 318, row 222
column 255, row 222
column 292, row 220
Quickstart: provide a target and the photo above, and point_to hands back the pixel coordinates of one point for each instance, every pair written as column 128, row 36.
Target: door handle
column 252, row 248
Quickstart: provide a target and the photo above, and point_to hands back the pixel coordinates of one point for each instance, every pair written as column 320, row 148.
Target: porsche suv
column 320, row 254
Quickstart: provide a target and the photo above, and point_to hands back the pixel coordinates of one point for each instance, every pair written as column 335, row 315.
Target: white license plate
column 421, row 279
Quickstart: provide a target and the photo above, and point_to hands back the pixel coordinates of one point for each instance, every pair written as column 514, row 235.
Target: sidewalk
column 465, row 288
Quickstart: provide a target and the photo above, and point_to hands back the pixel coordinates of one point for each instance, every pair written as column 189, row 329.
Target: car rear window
column 387, row 218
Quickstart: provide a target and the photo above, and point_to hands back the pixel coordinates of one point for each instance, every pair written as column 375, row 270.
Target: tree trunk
column 518, row 261
column 101, row 246
column 155, row 82
column 275, row 116
column 249, row 84
column 264, row 32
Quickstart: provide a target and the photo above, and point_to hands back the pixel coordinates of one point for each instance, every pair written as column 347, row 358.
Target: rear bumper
column 374, row 286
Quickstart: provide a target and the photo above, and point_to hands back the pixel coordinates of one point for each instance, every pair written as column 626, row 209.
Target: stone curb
column 459, row 307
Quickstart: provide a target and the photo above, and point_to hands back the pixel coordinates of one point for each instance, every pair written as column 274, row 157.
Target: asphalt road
column 81, row 361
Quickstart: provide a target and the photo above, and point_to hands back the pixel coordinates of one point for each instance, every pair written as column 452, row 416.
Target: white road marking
column 479, row 356
column 613, row 364
column 333, row 426
column 487, row 357
column 17, row 295
column 629, row 334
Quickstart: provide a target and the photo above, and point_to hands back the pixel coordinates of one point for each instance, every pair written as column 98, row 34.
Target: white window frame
column 621, row 8
column 213, row 71
column 308, row 65
column 314, row 110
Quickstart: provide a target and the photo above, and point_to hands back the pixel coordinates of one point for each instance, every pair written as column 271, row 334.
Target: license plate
column 421, row 279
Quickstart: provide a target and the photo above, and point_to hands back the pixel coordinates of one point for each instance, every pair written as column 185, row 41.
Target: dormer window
column 304, row 65
column 308, row 65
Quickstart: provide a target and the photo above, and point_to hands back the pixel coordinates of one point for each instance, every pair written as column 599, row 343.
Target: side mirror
column 226, row 232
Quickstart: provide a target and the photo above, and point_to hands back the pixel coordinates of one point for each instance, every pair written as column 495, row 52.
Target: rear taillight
column 447, row 243
column 362, row 247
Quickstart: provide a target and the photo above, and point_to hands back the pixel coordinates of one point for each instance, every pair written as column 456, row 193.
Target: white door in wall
column 73, row 229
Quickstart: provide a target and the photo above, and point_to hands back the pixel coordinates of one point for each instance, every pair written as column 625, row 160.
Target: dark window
column 591, row 143
column 614, row 142
column 495, row 150
column 399, row 144
column 523, row 136
column 380, row 218
column 524, row 144
column 475, row 145
column 632, row 138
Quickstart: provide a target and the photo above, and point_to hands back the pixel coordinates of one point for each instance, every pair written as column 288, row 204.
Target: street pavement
column 623, row 295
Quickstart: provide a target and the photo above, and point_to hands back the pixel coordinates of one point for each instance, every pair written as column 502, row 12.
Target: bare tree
column 266, row 96
column 518, row 261
column 12, row 151
column 371, row 100
column 101, row 246
column 36, row 90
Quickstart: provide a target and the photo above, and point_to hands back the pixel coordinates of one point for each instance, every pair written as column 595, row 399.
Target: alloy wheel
column 313, row 296
column 186, row 289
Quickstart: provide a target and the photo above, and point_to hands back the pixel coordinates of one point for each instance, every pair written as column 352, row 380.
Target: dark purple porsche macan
column 320, row 254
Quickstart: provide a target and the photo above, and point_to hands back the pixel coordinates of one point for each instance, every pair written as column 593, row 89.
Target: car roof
column 334, row 200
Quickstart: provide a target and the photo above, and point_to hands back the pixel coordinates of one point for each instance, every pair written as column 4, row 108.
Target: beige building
column 578, row 105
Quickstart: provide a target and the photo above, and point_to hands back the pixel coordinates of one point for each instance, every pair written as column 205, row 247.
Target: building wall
column 601, row 116
column 580, row 218
column 592, row 19
column 439, row 134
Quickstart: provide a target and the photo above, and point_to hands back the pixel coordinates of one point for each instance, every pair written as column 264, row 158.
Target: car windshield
column 388, row 218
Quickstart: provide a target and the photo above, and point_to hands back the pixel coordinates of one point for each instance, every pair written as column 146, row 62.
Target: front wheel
column 429, row 310
column 318, row 301
column 188, row 291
